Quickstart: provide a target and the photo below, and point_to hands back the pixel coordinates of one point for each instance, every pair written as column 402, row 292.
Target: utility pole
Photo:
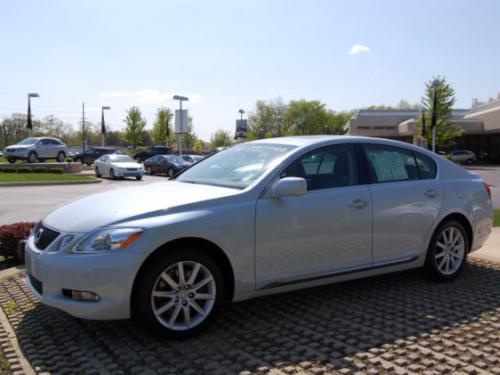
column 83, row 126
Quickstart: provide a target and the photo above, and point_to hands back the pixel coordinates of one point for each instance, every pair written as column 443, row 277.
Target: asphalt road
column 32, row 203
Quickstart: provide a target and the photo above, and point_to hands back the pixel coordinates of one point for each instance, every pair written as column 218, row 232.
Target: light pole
column 103, row 125
column 181, row 120
column 29, row 124
column 435, row 83
column 241, row 112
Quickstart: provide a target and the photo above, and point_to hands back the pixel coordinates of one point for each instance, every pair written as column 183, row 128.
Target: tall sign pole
column 181, row 120
column 103, row 126
column 29, row 122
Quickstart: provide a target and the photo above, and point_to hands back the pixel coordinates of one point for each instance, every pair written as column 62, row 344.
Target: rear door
column 406, row 198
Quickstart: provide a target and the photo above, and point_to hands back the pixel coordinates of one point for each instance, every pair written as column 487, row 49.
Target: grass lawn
column 496, row 218
column 42, row 177
column 3, row 160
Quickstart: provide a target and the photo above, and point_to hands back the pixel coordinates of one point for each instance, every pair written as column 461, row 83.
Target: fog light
column 80, row 295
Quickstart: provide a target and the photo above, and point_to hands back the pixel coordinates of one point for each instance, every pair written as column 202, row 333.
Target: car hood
column 117, row 205
column 19, row 146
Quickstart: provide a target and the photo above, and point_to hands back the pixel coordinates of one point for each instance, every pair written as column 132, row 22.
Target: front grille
column 131, row 169
column 44, row 236
column 36, row 284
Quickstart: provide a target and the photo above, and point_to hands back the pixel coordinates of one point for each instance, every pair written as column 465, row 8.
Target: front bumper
column 109, row 275
column 125, row 173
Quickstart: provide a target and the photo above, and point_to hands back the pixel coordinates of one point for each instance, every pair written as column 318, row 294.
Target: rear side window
column 389, row 164
column 426, row 166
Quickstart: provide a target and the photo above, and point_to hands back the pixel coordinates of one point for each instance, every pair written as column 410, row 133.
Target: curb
column 48, row 183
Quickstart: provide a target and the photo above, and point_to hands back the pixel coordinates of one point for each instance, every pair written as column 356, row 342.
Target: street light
column 434, row 86
column 29, row 124
column 179, row 138
column 241, row 112
column 103, row 126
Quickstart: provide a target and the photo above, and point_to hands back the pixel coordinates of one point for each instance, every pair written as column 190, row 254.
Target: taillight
column 487, row 188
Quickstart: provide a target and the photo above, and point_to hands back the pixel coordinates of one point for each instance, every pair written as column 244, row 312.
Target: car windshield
column 28, row 141
column 236, row 167
column 121, row 159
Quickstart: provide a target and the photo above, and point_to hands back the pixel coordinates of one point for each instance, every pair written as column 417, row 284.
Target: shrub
column 56, row 170
column 39, row 170
column 24, row 170
column 11, row 234
column 9, row 170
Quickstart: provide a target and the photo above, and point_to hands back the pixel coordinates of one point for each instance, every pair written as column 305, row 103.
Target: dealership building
column 481, row 126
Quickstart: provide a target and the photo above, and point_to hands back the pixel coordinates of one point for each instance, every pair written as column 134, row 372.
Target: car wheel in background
column 112, row 174
column 178, row 294
column 97, row 173
column 32, row 157
column 148, row 171
column 11, row 160
column 469, row 161
column 170, row 172
column 138, row 178
column 447, row 251
column 61, row 156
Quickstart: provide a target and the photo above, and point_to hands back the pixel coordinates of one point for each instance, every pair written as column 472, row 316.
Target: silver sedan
column 118, row 166
column 258, row 218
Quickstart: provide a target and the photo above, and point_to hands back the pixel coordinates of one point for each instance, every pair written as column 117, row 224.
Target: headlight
column 107, row 240
column 63, row 242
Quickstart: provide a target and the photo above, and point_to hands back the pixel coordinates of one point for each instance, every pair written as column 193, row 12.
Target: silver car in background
column 258, row 218
column 37, row 149
column 463, row 156
column 118, row 166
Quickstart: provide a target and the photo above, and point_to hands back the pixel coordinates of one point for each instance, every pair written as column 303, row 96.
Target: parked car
column 150, row 152
column 259, row 218
column 168, row 164
column 37, row 149
column 192, row 158
column 463, row 156
column 118, row 166
column 92, row 154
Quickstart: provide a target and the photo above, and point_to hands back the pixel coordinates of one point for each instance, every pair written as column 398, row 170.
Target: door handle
column 358, row 203
column 431, row 193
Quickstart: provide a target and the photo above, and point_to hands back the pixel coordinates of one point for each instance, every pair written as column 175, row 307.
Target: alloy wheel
column 450, row 250
column 183, row 295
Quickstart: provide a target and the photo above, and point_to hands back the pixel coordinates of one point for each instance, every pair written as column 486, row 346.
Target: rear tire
column 61, row 156
column 469, row 161
column 170, row 172
column 149, row 172
column 138, row 178
column 447, row 251
column 171, row 305
column 32, row 157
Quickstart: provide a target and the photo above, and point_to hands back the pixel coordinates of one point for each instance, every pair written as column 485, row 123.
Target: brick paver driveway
column 399, row 323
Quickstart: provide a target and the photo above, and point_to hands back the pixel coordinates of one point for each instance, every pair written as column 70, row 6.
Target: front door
column 327, row 230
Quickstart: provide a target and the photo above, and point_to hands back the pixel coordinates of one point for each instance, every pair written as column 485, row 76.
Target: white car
column 118, row 166
column 37, row 149
column 258, row 218
column 463, row 156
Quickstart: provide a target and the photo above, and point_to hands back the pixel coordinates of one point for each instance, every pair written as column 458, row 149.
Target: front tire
column 170, row 172
column 149, row 171
column 179, row 293
column 447, row 252
column 138, row 178
column 97, row 173
column 11, row 160
column 112, row 174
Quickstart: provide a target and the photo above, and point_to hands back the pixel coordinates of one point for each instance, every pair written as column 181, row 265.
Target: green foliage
column 56, row 170
column 496, row 218
column 39, row 170
column 446, row 131
column 198, row 146
column 267, row 120
column 162, row 122
column 11, row 308
column 306, row 117
column 189, row 138
column 221, row 138
column 135, row 126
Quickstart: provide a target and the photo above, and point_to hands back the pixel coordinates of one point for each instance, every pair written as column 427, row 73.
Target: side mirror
column 289, row 186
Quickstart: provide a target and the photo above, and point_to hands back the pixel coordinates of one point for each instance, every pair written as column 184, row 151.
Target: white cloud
column 358, row 48
column 153, row 96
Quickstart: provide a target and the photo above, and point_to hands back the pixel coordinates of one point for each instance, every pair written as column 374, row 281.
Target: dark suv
column 150, row 152
column 92, row 154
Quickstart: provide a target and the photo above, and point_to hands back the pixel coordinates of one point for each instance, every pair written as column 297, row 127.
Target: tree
column 189, row 138
column 446, row 131
column 307, row 117
column 337, row 120
column 135, row 125
column 221, row 138
column 199, row 146
column 162, row 122
column 267, row 120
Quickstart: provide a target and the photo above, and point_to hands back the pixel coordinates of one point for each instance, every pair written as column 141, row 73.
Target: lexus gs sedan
column 118, row 166
column 258, row 218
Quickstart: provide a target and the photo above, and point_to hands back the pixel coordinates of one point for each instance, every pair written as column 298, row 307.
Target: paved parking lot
column 394, row 324
column 32, row 203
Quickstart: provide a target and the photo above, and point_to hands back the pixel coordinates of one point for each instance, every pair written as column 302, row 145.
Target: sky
column 226, row 55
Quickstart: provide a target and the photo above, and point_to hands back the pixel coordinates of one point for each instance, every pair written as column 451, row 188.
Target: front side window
column 328, row 167
column 120, row 159
column 236, row 167
column 389, row 164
